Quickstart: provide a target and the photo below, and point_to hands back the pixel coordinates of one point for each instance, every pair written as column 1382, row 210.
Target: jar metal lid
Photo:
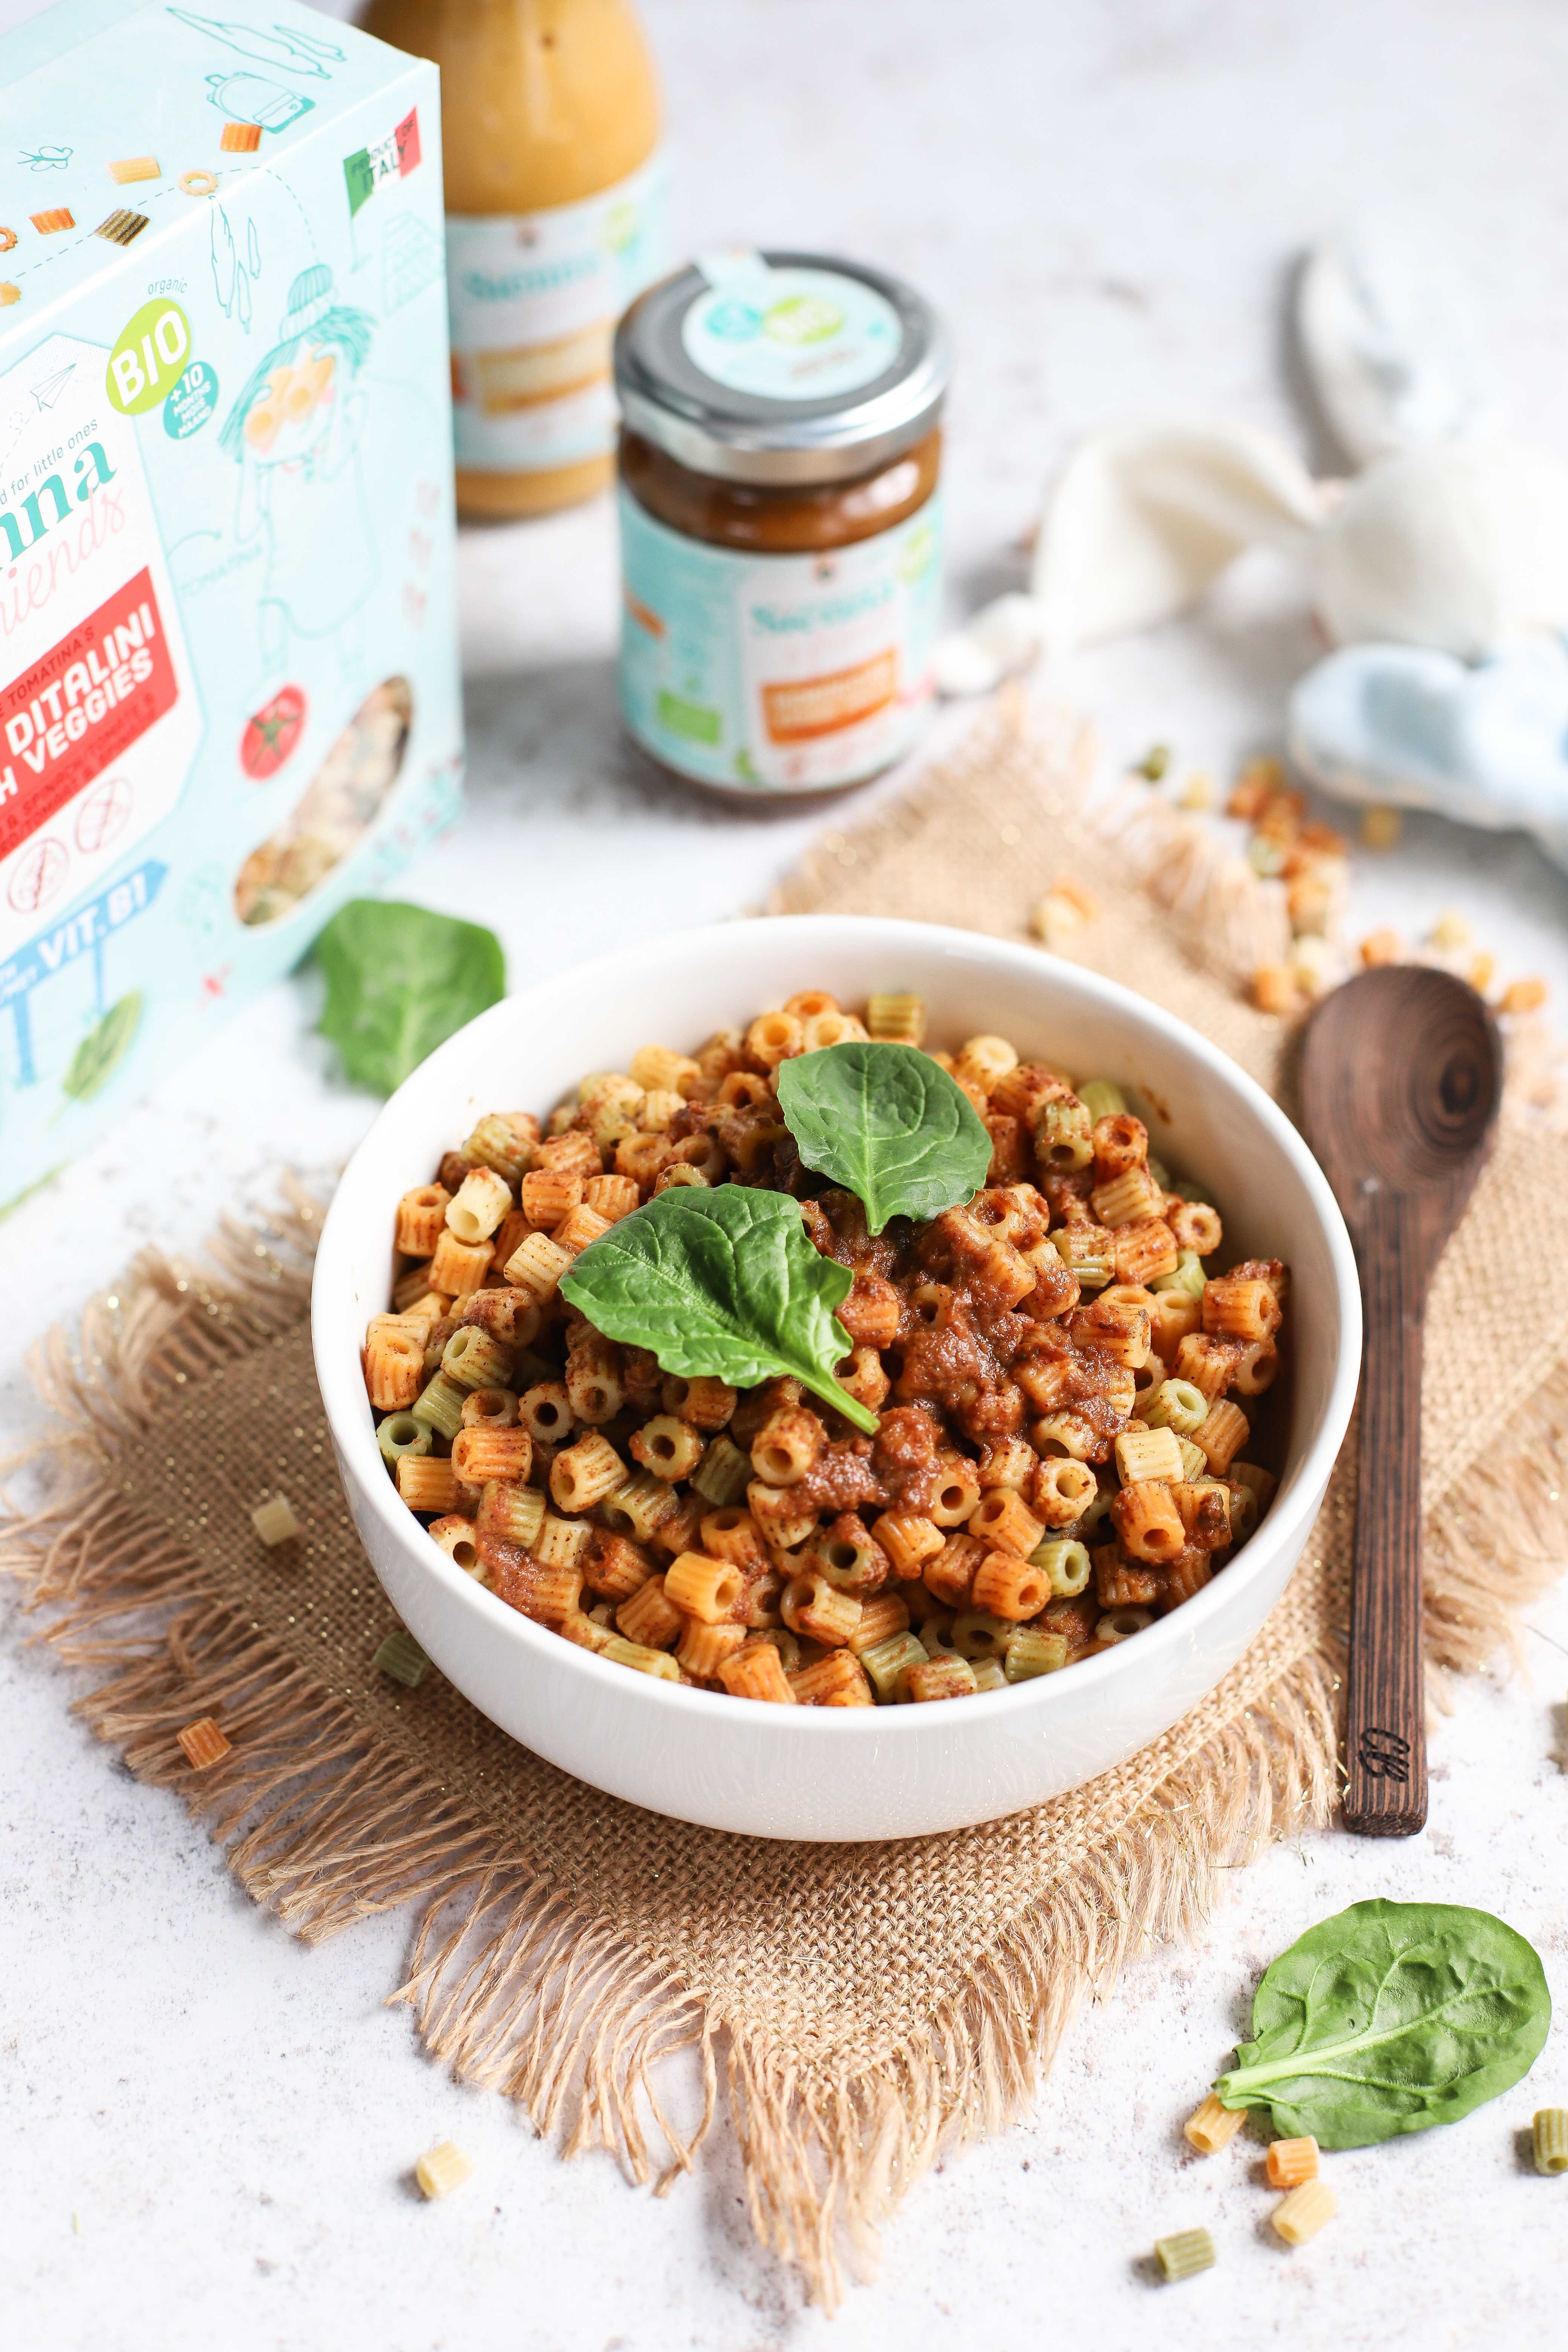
column 790, row 369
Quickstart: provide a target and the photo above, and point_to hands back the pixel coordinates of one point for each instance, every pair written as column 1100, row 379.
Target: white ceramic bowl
column 887, row 1772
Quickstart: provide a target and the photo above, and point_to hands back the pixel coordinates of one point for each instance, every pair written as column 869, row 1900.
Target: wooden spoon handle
column 1385, row 1791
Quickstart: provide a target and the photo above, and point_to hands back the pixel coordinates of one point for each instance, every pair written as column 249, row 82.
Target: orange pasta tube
column 757, row 1672
column 836, row 1681
column 1148, row 1522
column 1002, row 1520
column 421, row 1219
column 1223, row 1435
column 479, row 1454
column 909, row 1541
column 650, row 1618
column 1289, row 2162
column 703, row 1587
column 427, row 1483
column 1008, row 1587
column 1212, row 2126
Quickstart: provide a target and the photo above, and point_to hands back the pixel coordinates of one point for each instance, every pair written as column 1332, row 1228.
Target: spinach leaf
column 400, row 980
column 723, row 1283
column 103, row 1049
column 1387, row 2018
column 888, row 1124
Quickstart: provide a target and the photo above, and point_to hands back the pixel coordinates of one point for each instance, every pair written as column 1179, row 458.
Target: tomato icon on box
column 271, row 733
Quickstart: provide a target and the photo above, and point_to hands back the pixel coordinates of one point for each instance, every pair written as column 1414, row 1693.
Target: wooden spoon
column 1401, row 1075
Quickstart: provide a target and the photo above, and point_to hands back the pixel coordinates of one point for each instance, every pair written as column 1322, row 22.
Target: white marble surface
column 209, row 2130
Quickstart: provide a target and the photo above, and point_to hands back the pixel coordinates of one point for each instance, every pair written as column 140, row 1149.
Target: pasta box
column 228, row 665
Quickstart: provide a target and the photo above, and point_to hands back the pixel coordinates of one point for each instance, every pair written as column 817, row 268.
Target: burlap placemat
column 865, row 2005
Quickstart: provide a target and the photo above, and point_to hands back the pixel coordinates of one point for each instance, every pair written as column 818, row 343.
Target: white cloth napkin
column 1441, row 569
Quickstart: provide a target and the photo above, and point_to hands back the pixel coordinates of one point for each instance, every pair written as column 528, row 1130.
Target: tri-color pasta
column 1067, row 1379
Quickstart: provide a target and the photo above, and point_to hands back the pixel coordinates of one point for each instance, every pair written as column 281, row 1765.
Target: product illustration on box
column 295, row 431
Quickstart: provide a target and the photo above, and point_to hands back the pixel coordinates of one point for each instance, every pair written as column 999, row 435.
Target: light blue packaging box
column 228, row 665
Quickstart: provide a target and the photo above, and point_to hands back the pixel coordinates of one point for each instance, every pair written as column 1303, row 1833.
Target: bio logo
column 802, row 318
column 153, row 351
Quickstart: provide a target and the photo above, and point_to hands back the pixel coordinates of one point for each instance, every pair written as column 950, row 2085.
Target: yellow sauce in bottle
column 550, row 125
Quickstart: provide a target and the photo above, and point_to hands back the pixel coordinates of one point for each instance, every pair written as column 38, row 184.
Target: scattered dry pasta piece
column 1549, row 2139
column 1213, row 2126
column 1381, row 829
column 1185, row 2253
column 1451, row 932
column 275, row 1521
column 1198, row 791
column 204, row 1743
column 400, row 1656
column 1380, row 948
column 1274, row 989
column 1523, row 996
column 1152, row 766
column 1289, row 2162
column 444, row 2169
column 1302, row 2215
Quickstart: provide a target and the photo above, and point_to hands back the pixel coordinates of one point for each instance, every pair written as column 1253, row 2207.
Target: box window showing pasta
column 781, row 523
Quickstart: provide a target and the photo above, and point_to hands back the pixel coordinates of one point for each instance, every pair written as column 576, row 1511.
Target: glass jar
column 781, row 523
column 555, row 182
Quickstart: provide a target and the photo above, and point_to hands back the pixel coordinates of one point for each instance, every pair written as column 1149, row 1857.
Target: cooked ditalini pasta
column 1032, row 1651
column 1006, row 1586
column 723, row 1474
column 442, row 2170
column 481, row 1453
column 475, row 1358
column 421, row 1219
column 394, row 1368
column 1302, row 2215
column 1004, row 1521
column 459, row 1539
column 1289, row 2162
column 948, row 1676
column 907, row 1540
column 708, row 1590
column 478, row 1204
column 704, row 1648
column 1212, row 2127
column 668, row 1447
column 584, row 1472
column 1222, row 1434
column 756, row 1671
column 457, row 1267
column 426, row 1482
column 650, row 1617
column 1549, row 2139
column 817, row 1612
column 275, row 1520
column 204, row 1743
column 1147, row 1454
column 1184, row 2254
column 896, row 1018
column 506, row 1141
column 1071, row 1388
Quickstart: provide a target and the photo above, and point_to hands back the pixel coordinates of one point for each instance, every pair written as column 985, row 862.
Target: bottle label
column 534, row 298
column 777, row 673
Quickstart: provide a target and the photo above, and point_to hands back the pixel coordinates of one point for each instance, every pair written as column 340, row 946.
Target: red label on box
column 79, row 708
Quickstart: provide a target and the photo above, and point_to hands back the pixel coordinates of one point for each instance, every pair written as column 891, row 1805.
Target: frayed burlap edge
column 518, row 1986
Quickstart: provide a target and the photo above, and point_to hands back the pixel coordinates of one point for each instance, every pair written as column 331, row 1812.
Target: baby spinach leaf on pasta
column 400, row 980
column 723, row 1283
column 1387, row 2018
column 888, row 1124
column 103, row 1049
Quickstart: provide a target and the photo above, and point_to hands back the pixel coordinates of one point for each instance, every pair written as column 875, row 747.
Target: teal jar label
column 777, row 673
column 791, row 334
